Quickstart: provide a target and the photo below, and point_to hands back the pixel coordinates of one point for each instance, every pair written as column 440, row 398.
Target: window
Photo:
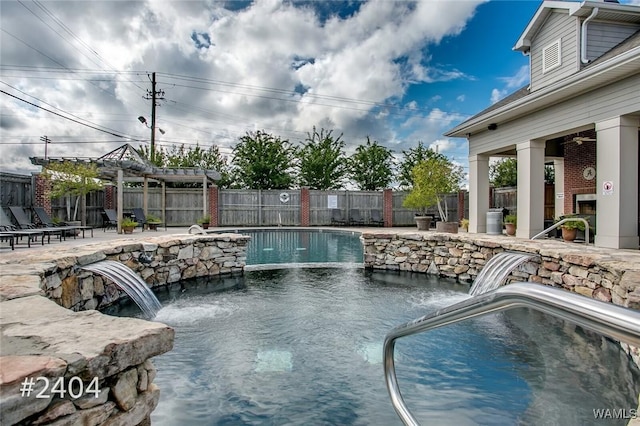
column 551, row 56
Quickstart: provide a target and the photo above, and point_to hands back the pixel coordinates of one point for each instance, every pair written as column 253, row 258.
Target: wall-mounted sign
column 607, row 187
column 332, row 201
column 589, row 173
column 559, row 195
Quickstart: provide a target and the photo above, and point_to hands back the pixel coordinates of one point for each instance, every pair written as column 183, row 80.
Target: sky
column 398, row 72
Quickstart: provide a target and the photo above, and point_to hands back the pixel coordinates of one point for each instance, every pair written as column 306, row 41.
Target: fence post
column 460, row 205
column 304, row 206
column 213, row 205
column 387, row 207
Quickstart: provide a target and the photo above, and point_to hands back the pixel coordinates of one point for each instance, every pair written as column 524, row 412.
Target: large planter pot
column 569, row 234
column 128, row 229
column 423, row 223
column 450, row 227
column 510, row 228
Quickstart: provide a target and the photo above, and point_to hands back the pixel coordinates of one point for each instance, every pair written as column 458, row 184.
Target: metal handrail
column 622, row 324
column 557, row 224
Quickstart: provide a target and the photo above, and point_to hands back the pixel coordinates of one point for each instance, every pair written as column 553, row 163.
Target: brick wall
column 213, row 205
column 576, row 159
column 41, row 193
column 387, row 207
column 305, row 209
column 110, row 197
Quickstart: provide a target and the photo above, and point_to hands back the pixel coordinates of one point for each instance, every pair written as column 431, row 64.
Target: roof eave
column 570, row 86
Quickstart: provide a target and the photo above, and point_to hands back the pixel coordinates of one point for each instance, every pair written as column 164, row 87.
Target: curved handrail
column 614, row 321
column 557, row 224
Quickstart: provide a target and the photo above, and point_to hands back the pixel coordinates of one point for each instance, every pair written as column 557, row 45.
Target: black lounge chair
column 337, row 218
column 7, row 228
column 355, row 218
column 109, row 219
column 46, row 221
column 24, row 223
column 376, row 218
column 139, row 216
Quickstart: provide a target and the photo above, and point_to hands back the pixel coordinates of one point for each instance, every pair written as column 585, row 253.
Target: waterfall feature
column 131, row 283
column 496, row 271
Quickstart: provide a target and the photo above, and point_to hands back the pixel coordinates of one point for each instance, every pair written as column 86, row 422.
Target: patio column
column 120, row 199
column 478, row 193
column 530, row 199
column 558, row 168
column 617, row 183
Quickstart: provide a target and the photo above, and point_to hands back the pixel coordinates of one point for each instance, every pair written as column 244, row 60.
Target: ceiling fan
column 580, row 139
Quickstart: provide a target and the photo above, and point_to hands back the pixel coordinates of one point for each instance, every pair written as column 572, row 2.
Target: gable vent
column 551, row 56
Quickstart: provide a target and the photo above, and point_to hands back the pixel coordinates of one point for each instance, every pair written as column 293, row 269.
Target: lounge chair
column 109, row 219
column 24, row 223
column 355, row 218
column 376, row 218
column 46, row 221
column 8, row 229
column 337, row 218
column 139, row 216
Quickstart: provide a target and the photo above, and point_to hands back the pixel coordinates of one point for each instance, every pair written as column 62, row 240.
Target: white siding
column 620, row 98
column 603, row 36
column 558, row 26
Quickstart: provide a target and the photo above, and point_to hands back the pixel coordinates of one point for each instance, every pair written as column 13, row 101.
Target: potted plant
column 464, row 224
column 510, row 222
column 570, row 229
column 153, row 221
column 128, row 225
column 204, row 221
column 433, row 178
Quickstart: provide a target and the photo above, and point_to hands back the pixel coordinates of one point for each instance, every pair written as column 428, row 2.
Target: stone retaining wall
column 50, row 330
column 462, row 256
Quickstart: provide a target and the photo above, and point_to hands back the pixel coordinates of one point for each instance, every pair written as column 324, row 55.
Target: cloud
column 511, row 83
column 461, row 98
column 273, row 65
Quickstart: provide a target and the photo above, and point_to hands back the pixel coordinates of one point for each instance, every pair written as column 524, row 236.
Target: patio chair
column 7, row 227
column 109, row 219
column 355, row 218
column 376, row 218
column 337, row 218
column 46, row 221
column 139, row 217
column 24, row 223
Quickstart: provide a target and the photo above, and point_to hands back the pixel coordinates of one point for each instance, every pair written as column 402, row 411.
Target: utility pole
column 155, row 96
column 46, row 141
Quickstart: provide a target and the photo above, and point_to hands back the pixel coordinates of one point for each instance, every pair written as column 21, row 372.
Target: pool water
column 304, row 347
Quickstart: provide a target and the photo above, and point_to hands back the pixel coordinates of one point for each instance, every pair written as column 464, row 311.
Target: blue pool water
column 304, row 347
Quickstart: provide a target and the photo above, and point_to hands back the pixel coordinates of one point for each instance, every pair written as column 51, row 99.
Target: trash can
column 494, row 222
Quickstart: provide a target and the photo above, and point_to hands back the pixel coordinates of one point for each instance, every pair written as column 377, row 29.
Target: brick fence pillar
column 460, row 205
column 305, row 211
column 42, row 191
column 387, row 207
column 213, row 205
column 110, row 197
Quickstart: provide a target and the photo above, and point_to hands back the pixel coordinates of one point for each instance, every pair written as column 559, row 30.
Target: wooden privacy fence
column 249, row 207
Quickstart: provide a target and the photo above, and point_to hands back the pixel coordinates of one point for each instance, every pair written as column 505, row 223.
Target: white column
column 145, row 196
column 558, row 169
column 617, row 183
column 205, row 204
column 478, row 193
column 530, row 200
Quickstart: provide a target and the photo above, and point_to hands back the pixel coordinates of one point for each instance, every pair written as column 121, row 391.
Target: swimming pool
column 304, row 346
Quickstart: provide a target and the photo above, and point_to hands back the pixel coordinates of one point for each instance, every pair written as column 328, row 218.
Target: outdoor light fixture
column 161, row 131
column 492, row 126
column 142, row 120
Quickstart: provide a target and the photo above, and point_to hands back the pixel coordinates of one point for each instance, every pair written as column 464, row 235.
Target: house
column 580, row 112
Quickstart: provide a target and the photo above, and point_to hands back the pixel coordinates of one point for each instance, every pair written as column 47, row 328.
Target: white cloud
column 461, row 98
column 511, row 83
column 318, row 65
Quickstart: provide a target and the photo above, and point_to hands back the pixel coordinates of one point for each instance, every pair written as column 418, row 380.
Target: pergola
column 124, row 164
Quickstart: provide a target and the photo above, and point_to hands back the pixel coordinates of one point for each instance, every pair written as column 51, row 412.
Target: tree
column 159, row 158
column 323, row 164
column 432, row 180
column 371, row 166
column 198, row 157
column 504, row 172
column 69, row 179
column 263, row 161
column 411, row 159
